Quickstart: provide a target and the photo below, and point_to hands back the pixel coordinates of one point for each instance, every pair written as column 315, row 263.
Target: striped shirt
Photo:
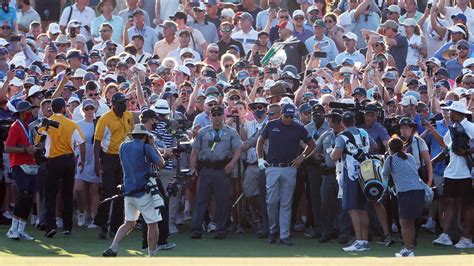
column 163, row 134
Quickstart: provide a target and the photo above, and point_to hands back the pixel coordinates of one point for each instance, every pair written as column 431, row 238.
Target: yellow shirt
column 111, row 130
column 162, row 48
column 62, row 140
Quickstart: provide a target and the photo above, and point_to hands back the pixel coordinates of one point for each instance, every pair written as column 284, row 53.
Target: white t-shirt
column 457, row 167
column 433, row 40
column 469, row 13
column 345, row 21
column 413, row 55
column 77, row 114
column 247, row 39
column 85, row 17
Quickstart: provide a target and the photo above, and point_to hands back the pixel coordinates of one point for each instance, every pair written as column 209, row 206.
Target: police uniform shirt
column 111, row 130
column 209, row 149
column 284, row 140
column 314, row 132
column 61, row 141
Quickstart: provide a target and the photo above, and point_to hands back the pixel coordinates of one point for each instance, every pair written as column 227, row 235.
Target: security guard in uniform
column 110, row 133
column 60, row 142
column 215, row 151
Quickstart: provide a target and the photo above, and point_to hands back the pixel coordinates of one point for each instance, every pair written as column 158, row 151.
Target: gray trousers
column 281, row 182
column 166, row 176
column 210, row 181
column 262, row 184
column 329, row 204
column 315, row 189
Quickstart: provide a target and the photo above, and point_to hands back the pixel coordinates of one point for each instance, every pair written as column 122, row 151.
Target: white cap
column 409, row 100
column 201, row 6
column 228, row 12
column 269, row 83
column 468, row 62
column 458, row 106
column 311, row 8
column 73, row 99
column 33, row 90
column 456, row 28
column 3, row 42
column 171, row 87
column 74, row 23
column 16, row 82
column 140, row 67
column 409, row 22
column 394, row 8
column 183, row 69
column 298, row 12
column 350, row 36
column 161, row 107
column 459, row 91
column 186, row 50
column 111, row 76
column 286, row 25
column 79, row 73
column 53, row 28
column 210, row 99
column 259, row 100
column 285, row 100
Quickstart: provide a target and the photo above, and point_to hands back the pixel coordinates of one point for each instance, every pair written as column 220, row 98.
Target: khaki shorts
column 144, row 205
column 250, row 185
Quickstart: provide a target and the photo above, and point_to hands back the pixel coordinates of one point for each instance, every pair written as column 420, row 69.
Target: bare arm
column 336, row 154
column 442, row 7
column 260, row 143
column 193, row 160
column 60, row 87
column 97, row 149
column 4, row 89
column 425, row 156
column 360, row 9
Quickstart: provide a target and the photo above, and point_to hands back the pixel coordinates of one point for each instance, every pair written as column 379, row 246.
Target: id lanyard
column 214, row 143
column 26, row 131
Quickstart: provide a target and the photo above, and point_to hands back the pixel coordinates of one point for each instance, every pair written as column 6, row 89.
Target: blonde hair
column 228, row 57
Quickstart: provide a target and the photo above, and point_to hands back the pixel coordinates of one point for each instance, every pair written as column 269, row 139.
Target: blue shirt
column 326, row 45
column 303, row 36
column 439, row 53
column 117, row 26
column 262, row 19
column 135, row 167
column 369, row 22
column 454, row 68
column 277, row 133
column 435, row 149
column 10, row 16
column 202, row 119
column 149, row 35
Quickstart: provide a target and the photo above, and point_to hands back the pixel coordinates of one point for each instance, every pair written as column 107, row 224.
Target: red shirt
column 18, row 138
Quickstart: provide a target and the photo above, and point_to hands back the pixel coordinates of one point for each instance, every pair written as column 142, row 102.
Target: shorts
column 438, row 183
column 411, row 203
column 250, row 185
column 353, row 197
column 459, row 188
column 142, row 205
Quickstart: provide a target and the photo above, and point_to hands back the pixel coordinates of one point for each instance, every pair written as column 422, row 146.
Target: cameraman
column 62, row 134
column 21, row 151
column 136, row 157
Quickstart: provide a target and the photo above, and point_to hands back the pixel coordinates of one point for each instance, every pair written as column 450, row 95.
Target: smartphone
column 430, row 5
column 257, row 42
column 12, row 67
column 52, row 47
column 68, row 71
column 130, row 17
column 414, row 68
column 15, row 38
column 320, row 54
column 273, row 70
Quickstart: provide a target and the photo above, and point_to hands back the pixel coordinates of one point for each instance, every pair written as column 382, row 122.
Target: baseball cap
column 409, row 100
column 30, row 80
column 348, row 61
column 371, row 108
column 213, row 46
column 393, row 9
column 243, row 74
column 319, row 23
column 350, row 36
column 217, row 110
column 304, row 108
column 54, row 28
column 233, row 46
column 246, row 16
column 468, row 63
column 409, row 22
column 149, row 113
column 360, row 91
column 183, row 69
column 286, row 25
column 434, row 60
column 388, row 75
column 88, row 102
column 460, row 16
column 463, row 43
column 209, row 73
column 179, row 15
column 413, row 82
column 139, row 36
column 318, row 109
column 212, row 90
column 210, row 99
column 73, row 54
column 298, row 12
column 62, row 39
column 288, row 109
column 390, row 24
column 348, row 117
column 312, row 8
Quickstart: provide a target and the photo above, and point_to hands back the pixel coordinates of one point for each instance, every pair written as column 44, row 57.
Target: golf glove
column 262, row 164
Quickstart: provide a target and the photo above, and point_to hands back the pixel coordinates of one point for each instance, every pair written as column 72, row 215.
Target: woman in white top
column 416, row 42
column 87, row 184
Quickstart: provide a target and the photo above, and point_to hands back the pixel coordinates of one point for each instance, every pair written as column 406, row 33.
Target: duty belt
column 216, row 165
column 280, row 164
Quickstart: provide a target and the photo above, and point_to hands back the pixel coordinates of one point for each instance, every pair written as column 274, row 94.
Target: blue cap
column 348, row 61
column 234, row 47
column 360, row 91
column 288, row 109
column 460, row 16
column 304, row 108
column 243, row 74
column 412, row 93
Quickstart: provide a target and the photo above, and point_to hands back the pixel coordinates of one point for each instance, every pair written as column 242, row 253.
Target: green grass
column 84, row 242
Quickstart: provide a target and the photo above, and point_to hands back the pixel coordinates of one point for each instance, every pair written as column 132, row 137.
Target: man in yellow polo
column 62, row 135
column 111, row 131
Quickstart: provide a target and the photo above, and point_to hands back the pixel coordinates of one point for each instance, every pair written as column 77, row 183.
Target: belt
column 280, row 164
column 69, row 155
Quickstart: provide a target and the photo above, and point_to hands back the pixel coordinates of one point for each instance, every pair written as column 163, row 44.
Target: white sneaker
column 430, row 225
column 464, row 243
column 59, row 222
column 33, row 220
column 188, row 216
column 92, row 226
column 179, row 219
column 394, row 228
column 173, row 229
column 8, row 215
column 13, row 234
column 211, row 227
column 25, row 236
column 404, row 252
column 356, row 246
column 443, row 240
column 81, row 219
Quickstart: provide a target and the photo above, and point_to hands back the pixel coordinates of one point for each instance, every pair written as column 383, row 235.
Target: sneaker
column 179, row 219
column 13, row 234
column 386, row 241
column 211, row 227
column 33, row 220
column 8, row 215
column 404, row 252
column 92, row 226
column 50, row 233
column 430, row 225
column 464, row 243
column 188, row 216
column 109, row 253
column 103, row 233
column 394, row 228
column 299, row 227
column 81, row 219
column 67, row 232
column 443, row 240
column 59, row 222
column 356, row 246
column 26, row 236
column 286, row 242
column 166, row 246
column 173, row 229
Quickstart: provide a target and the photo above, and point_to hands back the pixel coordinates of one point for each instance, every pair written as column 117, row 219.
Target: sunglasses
column 213, row 52
column 226, row 29
column 234, row 98
column 298, row 18
column 461, row 48
column 284, row 17
column 214, row 115
column 102, row 31
column 289, row 116
column 211, row 105
column 328, row 21
column 227, row 66
column 6, row 27
column 63, row 44
column 312, row 87
column 258, row 107
column 270, row 113
column 93, row 94
column 213, row 94
column 89, row 108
